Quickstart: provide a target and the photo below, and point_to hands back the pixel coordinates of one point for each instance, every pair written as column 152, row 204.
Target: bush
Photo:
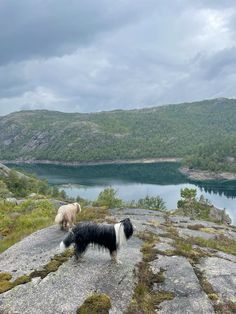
column 108, row 197
column 189, row 205
column 153, row 203
column 4, row 192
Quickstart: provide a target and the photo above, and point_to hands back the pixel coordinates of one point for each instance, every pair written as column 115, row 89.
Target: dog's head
column 128, row 227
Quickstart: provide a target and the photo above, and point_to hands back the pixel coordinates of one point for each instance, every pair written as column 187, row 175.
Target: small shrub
column 152, row 202
column 108, row 197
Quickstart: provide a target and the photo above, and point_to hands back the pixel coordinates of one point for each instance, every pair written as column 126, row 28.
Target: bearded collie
column 108, row 236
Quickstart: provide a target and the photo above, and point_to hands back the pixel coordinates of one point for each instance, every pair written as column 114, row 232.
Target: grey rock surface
column 182, row 281
column 32, row 252
column 221, row 274
column 162, row 246
column 66, row 289
column 195, row 233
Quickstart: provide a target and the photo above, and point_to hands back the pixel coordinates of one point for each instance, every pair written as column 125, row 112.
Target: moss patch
column 148, row 250
column 221, row 243
column 5, row 276
column 212, row 230
column 53, row 265
column 227, row 307
column 95, row 304
column 184, row 248
column 22, row 280
column 5, row 285
column 145, row 299
column 205, row 284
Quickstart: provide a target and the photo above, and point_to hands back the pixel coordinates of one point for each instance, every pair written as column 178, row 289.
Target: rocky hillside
column 173, row 264
column 167, row 131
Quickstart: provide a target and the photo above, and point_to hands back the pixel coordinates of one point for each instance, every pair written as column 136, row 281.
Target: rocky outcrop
column 205, row 175
column 197, row 268
column 5, row 171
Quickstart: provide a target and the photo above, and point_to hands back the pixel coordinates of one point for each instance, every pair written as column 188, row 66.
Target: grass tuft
column 221, row 243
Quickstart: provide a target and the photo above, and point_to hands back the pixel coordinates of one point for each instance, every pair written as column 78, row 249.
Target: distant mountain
column 169, row 131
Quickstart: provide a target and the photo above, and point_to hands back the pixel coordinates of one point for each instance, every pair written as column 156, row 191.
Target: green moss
column 207, row 287
column 184, row 248
column 148, row 250
column 5, row 276
column 161, row 296
column 5, row 285
column 211, row 230
column 95, row 304
column 144, row 299
column 21, row 280
column 53, row 265
column 213, row 296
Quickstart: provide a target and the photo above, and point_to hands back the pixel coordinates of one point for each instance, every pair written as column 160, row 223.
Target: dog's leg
column 114, row 257
column 79, row 250
column 61, row 225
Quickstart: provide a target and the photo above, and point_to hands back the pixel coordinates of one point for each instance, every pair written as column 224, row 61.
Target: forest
column 202, row 133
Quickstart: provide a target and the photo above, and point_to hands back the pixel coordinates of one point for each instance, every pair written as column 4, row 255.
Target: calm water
column 134, row 181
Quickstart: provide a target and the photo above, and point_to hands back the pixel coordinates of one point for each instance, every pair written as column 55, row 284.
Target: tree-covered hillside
column 169, row 131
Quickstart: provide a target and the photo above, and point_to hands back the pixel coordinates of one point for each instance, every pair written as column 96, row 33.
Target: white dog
column 66, row 215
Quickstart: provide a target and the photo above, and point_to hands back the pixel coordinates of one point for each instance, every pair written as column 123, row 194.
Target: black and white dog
column 108, row 236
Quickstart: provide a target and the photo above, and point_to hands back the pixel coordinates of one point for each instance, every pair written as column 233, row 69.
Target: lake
column 133, row 181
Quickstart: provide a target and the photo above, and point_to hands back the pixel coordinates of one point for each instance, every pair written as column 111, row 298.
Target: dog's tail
column 69, row 239
column 59, row 218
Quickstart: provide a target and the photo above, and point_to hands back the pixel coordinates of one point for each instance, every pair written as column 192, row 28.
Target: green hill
column 183, row 130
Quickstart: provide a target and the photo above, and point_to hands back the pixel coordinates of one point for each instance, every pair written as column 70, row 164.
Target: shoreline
column 93, row 163
column 193, row 174
column 205, row 175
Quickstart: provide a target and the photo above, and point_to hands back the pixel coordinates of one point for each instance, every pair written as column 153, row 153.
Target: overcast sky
column 94, row 55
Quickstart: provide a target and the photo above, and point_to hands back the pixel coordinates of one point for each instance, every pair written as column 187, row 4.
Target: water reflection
column 134, row 181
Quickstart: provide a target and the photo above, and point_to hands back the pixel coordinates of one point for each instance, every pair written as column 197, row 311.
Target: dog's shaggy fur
column 66, row 215
column 108, row 236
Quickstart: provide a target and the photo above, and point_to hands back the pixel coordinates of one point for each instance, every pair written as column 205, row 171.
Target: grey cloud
column 220, row 64
column 48, row 28
column 107, row 55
